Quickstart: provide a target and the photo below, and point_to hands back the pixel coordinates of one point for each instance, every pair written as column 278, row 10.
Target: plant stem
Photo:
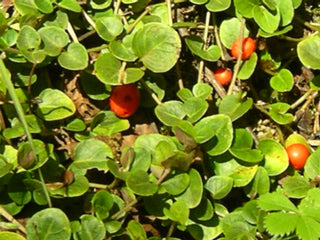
column 97, row 49
column 72, row 33
column 170, row 231
column 153, row 95
column 125, row 209
column 205, row 36
column 239, row 60
column 217, row 36
column 169, row 10
column 7, row 81
column 10, row 218
column 131, row 27
column 302, row 98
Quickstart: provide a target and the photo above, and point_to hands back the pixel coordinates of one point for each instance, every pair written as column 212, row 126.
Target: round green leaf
column 25, row 7
column 109, row 27
column 136, row 230
column 286, row 11
column 55, row 105
column 283, row 81
column 71, row 5
column 260, row 184
column 193, row 194
column 91, row 153
column 218, row 5
column 28, row 38
column 219, row 186
column 158, row 46
column 178, row 212
column 202, row 90
column 234, row 106
column 195, row 44
column 245, row 7
column 49, row 224
column 102, row 203
column 121, row 51
column 204, row 211
column 108, row 68
column 5, row 235
column 278, row 112
column 78, row 187
column 248, row 67
column 26, row 158
column 75, row 58
column 5, row 166
column 275, row 156
column 170, row 113
column 44, row 6
column 54, row 39
column 296, row 186
column 267, row 21
column 107, row 123
column 241, row 175
column 312, row 166
column 177, row 184
column 218, row 129
column 230, row 31
column 91, row 228
column 309, row 52
column 241, row 147
column 17, row 190
column 96, row 4
column 138, row 181
column 195, row 108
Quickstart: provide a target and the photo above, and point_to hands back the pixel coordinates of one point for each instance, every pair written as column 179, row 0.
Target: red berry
column 223, row 75
column 248, row 47
column 124, row 100
column 298, row 154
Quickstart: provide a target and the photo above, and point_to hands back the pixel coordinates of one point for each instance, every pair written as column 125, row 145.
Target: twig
column 217, row 36
column 169, row 10
column 239, row 60
column 153, row 95
column 205, row 36
column 303, row 98
column 131, row 27
column 10, row 218
column 72, row 33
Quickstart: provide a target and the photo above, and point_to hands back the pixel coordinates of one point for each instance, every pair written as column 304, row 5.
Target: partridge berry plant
column 116, row 124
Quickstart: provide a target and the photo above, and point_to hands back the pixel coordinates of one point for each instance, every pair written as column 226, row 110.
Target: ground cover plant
column 114, row 126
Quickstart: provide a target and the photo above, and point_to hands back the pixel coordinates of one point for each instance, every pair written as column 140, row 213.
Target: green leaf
column 108, row 69
column 102, row 202
column 260, row 184
column 286, row 10
column 158, row 46
column 195, row 44
column 44, row 6
column 241, row 147
column 25, row 7
column 109, row 27
column 5, row 166
column 178, row 212
column 121, row 51
column 283, row 81
column 91, row 153
column 309, row 52
column 230, row 31
column 219, row 129
column 96, row 4
column 218, row 5
column 5, row 235
column 234, row 106
column 78, row 187
column 71, row 5
column 276, row 159
column 276, row 201
column 54, row 39
column 91, row 228
column 138, row 181
column 136, row 231
column 75, row 58
column 203, row 212
column 312, row 166
column 195, row 108
column 55, row 105
column 170, row 112
column 193, row 194
column 219, row 186
column 75, row 125
column 281, row 223
column 278, row 112
column 17, row 190
column 202, row 90
column 26, row 158
column 296, row 186
column 48, row 224
column 310, row 205
column 267, row 21
column 107, row 123
column 176, row 184
column 245, row 8
column 308, row 228
column 248, row 67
